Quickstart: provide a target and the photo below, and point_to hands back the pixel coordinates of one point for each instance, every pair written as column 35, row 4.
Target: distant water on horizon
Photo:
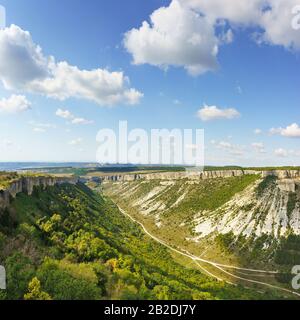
column 13, row 166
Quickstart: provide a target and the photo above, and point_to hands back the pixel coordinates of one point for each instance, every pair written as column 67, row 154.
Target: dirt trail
column 218, row 266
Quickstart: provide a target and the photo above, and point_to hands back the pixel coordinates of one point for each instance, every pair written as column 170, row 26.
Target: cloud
column 258, row 147
column 209, row 113
column 76, row 142
column 277, row 24
column 42, row 125
column 24, row 67
column 189, row 33
column 176, row 36
column 81, row 121
column 257, row 131
column 39, row 127
column 237, row 12
column 233, row 149
column 292, row 131
column 14, row 104
column 66, row 114
column 39, row 130
column 7, row 143
column 273, row 17
column 281, row 153
column 225, row 145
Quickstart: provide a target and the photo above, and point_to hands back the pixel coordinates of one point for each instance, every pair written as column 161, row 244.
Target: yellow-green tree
column 35, row 292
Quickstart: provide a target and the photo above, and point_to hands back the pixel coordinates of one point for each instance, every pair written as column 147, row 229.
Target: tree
column 161, row 292
column 35, row 292
column 65, row 283
column 19, row 271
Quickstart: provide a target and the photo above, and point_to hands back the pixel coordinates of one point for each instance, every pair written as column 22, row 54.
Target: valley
column 161, row 235
column 247, row 221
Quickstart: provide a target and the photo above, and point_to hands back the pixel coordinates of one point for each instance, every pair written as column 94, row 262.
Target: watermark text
column 296, row 18
column 296, row 279
column 2, row 278
column 157, row 147
column 2, row 17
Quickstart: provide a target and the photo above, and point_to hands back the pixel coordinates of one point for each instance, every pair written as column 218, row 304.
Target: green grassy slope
column 171, row 210
column 70, row 243
column 177, row 221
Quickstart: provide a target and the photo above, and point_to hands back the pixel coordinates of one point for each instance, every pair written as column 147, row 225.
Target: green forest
column 69, row 242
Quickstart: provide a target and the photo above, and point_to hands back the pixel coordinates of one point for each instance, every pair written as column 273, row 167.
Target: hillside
column 244, row 221
column 68, row 242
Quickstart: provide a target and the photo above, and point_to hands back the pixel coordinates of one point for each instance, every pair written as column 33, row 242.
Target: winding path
column 214, row 264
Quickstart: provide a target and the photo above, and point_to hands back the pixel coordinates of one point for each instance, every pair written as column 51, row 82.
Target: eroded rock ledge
column 280, row 174
column 27, row 184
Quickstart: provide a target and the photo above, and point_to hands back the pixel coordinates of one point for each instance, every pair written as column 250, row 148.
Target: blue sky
column 255, row 74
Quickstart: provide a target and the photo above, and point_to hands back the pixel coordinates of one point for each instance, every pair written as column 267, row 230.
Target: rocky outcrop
column 192, row 175
column 27, row 184
column 289, row 185
column 282, row 174
column 274, row 211
column 288, row 180
column 195, row 175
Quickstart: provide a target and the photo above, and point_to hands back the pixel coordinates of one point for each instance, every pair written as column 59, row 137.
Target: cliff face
column 27, row 184
column 288, row 180
column 272, row 213
column 272, row 210
column 288, row 185
column 192, row 175
column 280, row 174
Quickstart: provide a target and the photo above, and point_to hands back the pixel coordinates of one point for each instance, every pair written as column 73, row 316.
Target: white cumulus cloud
column 274, row 17
column 237, row 12
column 14, row 104
column 66, row 114
column 277, row 24
column 209, row 113
column 175, row 36
column 292, row 131
column 189, row 33
column 23, row 66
